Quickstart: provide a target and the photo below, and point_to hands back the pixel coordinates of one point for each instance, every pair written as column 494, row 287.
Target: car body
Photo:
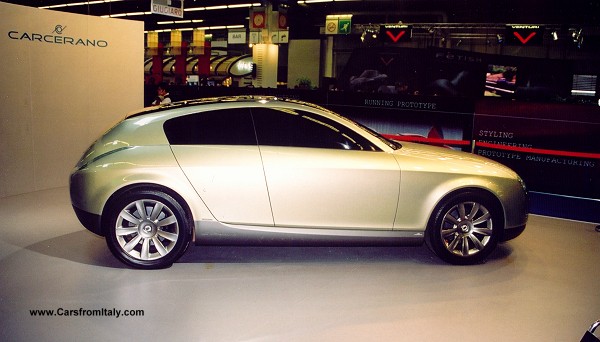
column 271, row 171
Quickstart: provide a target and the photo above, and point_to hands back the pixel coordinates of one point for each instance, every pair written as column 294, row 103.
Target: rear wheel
column 465, row 228
column 147, row 229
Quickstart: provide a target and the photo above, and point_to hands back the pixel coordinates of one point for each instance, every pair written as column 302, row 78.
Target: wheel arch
column 147, row 187
column 496, row 202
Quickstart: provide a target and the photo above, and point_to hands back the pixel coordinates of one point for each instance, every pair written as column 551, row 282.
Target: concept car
column 264, row 170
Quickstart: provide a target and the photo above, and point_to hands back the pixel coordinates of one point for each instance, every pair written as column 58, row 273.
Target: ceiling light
column 369, row 35
column 577, row 36
column 239, row 5
column 79, row 3
column 216, row 7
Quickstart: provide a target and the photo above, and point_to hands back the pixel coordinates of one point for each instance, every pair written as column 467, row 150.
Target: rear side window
column 296, row 128
column 218, row 127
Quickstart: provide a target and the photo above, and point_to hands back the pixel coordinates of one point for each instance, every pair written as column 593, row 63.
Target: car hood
column 422, row 157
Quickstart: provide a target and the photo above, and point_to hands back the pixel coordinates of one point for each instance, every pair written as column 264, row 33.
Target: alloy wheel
column 466, row 228
column 147, row 229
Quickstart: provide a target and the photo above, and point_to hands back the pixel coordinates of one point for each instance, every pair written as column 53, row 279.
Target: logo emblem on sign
column 395, row 38
column 58, row 29
column 521, row 39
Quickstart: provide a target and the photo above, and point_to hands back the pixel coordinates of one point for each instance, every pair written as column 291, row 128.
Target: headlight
column 522, row 182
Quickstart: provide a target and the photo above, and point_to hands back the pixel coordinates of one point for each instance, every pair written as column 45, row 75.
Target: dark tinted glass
column 219, row 127
column 284, row 127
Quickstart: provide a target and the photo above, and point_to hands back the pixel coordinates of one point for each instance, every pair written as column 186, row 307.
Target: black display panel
column 521, row 35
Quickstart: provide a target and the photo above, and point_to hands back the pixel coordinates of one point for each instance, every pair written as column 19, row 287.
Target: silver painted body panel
column 329, row 188
column 230, row 180
column 217, row 233
column 429, row 173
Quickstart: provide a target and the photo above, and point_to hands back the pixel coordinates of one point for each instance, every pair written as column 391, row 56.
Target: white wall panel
column 59, row 92
column 303, row 61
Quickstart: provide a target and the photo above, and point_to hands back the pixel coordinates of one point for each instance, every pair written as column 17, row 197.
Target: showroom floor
column 543, row 286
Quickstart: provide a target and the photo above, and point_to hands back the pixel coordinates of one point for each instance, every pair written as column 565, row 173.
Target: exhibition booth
column 71, row 76
column 67, row 78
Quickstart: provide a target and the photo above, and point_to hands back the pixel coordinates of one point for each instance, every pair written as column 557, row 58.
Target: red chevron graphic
column 395, row 38
column 386, row 62
column 524, row 40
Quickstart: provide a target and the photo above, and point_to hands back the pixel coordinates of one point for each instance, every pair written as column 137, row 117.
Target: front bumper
column 512, row 233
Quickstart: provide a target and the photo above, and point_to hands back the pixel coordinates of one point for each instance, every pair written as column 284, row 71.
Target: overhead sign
column 280, row 37
column 282, row 20
column 338, row 24
column 395, row 33
column 524, row 35
column 173, row 8
column 255, row 37
column 344, row 25
column 331, row 26
column 236, row 37
column 258, row 19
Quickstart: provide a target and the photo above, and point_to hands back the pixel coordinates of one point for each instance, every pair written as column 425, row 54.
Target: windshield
column 391, row 143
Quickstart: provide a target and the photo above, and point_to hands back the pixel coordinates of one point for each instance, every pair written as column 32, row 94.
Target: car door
column 218, row 153
column 321, row 174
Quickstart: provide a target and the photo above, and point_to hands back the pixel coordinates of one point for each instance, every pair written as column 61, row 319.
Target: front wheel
column 465, row 228
column 147, row 229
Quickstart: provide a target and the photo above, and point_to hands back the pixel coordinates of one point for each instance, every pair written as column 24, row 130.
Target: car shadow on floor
column 81, row 247
column 305, row 254
column 86, row 248
column 308, row 254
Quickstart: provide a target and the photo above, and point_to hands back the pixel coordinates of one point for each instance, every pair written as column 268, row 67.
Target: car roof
column 222, row 99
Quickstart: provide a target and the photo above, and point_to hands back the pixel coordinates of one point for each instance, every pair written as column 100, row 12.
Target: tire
column 465, row 228
column 147, row 229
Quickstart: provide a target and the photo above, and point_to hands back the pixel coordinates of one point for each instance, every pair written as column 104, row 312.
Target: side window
column 217, row 127
column 295, row 128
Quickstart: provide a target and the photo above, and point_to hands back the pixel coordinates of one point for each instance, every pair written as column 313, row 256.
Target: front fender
column 420, row 193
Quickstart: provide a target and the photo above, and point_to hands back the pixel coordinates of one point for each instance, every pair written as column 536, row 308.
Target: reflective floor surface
column 543, row 286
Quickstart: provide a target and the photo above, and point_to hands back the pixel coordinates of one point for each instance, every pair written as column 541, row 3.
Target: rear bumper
column 89, row 221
